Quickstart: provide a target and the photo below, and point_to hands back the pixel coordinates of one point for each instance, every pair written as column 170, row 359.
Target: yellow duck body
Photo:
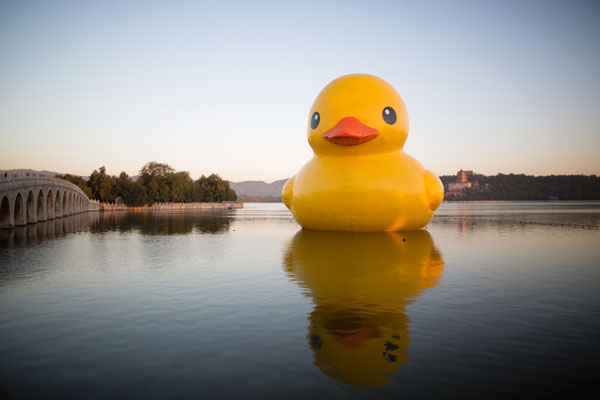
column 360, row 179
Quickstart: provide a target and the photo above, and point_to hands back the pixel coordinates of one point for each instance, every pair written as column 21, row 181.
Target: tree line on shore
column 526, row 187
column 156, row 183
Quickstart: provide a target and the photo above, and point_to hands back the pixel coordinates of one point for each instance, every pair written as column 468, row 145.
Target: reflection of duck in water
column 361, row 284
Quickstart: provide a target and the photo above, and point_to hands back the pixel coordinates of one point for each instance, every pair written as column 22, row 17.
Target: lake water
column 492, row 300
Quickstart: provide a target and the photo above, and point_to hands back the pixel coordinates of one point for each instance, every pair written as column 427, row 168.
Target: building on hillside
column 463, row 176
column 462, row 181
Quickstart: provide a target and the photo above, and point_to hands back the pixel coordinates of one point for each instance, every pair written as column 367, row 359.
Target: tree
column 102, row 185
column 123, row 186
column 154, row 168
column 79, row 181
column 529, row 187
column 154, row 176
column 157, row 182
column 181, row 187
column 137, row 196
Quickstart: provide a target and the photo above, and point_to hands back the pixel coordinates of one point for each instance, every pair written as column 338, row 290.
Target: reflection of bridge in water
column 31, row 197
column 145, row 223
column 21, row 236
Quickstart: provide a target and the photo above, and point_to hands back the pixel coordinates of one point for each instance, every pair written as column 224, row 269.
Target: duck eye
column 389, row 115
column 314, row 120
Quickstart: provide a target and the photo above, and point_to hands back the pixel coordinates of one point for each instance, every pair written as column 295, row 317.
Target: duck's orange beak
column 349, row 132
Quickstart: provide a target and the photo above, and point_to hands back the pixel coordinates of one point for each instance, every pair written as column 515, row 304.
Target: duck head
column 357, row 114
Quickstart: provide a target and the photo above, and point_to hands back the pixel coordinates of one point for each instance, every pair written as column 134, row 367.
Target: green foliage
column 102, row 185
column 79, row 181
column 157, row 183
column 137, row 196
column 527, row 187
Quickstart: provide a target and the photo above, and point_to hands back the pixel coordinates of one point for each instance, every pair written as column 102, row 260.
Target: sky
column 226, row 87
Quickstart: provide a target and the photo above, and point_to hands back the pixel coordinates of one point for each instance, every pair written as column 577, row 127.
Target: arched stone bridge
column 31, row 197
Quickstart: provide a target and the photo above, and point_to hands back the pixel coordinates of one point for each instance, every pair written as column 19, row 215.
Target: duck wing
column 434, row 189
column 287, row 193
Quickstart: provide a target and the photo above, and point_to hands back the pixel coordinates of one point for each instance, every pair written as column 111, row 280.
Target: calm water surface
column 492, row 300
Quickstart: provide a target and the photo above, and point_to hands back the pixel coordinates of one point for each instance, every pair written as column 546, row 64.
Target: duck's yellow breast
column 380, row 192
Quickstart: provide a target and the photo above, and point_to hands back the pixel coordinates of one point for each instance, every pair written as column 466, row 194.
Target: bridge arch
column 19, row 211
column 30, row 219
column 64, row 204
column 5, row 213
column 57, row 212
column 40, row 206
column 49, row 205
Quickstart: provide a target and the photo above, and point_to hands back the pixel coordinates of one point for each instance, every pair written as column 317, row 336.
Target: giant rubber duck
column 360, row 179
column 361, row 285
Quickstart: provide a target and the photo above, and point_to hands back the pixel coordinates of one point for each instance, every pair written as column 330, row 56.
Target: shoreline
column 459, row 201
column 174, row 206
column 517, row 201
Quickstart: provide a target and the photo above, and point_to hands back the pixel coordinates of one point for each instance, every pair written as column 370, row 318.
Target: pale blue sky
column 226, row 87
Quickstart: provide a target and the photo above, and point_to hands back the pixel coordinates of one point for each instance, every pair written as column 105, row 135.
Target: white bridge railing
column 10, row 181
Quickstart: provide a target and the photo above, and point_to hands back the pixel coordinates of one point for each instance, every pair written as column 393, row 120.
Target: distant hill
column 51, row 173
column 24, row 171
column 258, row 188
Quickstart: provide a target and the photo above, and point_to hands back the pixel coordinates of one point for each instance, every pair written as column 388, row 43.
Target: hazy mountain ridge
column 258, row 188
column 24, row 171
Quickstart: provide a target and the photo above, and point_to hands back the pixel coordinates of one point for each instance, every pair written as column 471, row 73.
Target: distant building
column 463, row 181
column 463, row 176
column 457, row 187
